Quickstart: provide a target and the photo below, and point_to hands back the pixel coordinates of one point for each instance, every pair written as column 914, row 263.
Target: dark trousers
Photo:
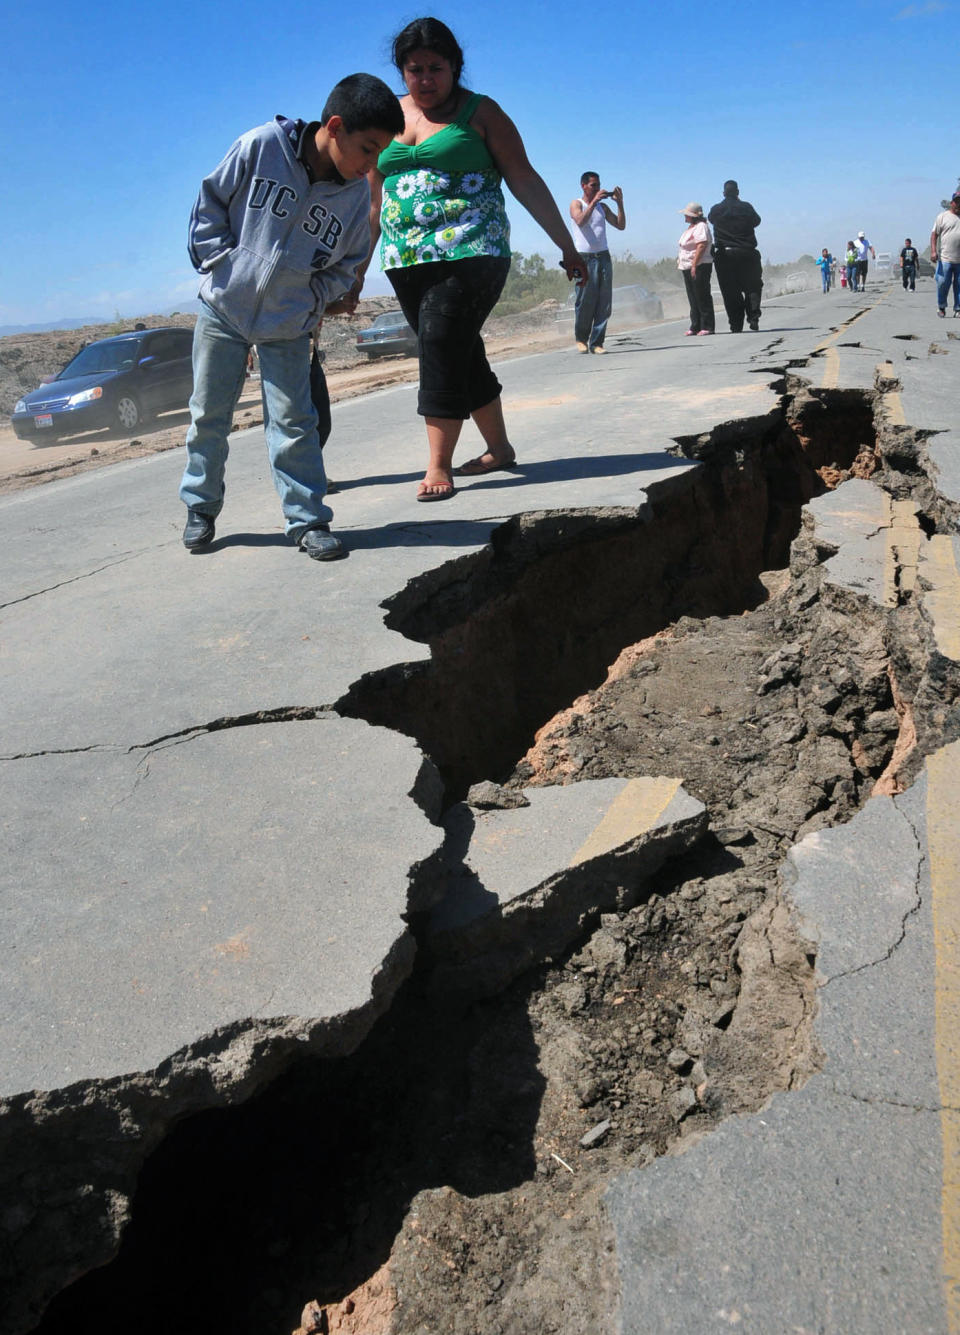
column 320, row 396
column 700, row 298
column 740, row 275
column 446, row 302
column 910, row 276
column 594, row 300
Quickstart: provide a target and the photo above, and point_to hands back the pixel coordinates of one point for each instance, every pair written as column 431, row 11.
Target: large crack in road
column 448, row 1175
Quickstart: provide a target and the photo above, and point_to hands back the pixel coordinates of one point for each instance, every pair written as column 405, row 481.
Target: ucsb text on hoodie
column 275, row 248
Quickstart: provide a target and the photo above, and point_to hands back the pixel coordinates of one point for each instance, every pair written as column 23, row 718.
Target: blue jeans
column 852, row 276
column 289, row 418
column 948, row 276
column 825, row 276
column 594, row 301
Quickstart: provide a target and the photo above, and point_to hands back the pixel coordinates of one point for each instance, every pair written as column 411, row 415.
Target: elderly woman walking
column 695, row 262
column 437, row 201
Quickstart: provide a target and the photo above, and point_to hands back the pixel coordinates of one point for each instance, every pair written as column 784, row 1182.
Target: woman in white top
column 695, row 262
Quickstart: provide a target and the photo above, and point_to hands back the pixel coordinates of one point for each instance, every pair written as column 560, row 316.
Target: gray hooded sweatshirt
column 274, row 247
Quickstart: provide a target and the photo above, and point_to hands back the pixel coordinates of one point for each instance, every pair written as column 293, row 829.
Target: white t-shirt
column 863, row 247
column 947, row 231
column 590, row 236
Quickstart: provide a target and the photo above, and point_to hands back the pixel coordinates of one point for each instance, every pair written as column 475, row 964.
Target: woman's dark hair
column 428, row 34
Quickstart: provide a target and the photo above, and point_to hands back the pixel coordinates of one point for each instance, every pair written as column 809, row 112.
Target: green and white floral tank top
column 442, row 198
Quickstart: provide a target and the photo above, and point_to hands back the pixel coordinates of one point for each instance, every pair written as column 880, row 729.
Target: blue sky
column 831, row 119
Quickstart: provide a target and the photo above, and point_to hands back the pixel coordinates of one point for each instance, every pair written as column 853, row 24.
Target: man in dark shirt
column 909, row 264
column 736, row 257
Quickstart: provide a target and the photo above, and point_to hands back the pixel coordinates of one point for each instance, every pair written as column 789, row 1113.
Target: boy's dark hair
column 430, row 35
column 364, row 102
column 587, row 176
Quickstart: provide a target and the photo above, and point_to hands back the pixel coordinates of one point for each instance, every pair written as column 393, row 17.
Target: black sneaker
column 320, row 543
column 755, row 326
column 199, row 530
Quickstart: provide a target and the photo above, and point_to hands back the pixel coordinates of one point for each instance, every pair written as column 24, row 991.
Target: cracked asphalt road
column 823, row 1213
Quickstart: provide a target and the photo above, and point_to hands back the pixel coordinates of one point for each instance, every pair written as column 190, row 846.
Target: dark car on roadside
column 115, row 382
column 388, row 333
column 631, row 302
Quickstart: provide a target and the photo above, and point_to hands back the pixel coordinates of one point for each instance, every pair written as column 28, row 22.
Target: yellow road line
column 942, row 599
column 633, row 811
column 893, row 407
column 902, row 553
column 831, row 358
column 831, row 369
column 891, row 401
column 943, row 841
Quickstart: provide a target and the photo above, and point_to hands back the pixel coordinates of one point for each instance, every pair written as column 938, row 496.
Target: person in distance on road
column 695, row 262
column 864, row 248
column 739, row 268
column 446, row 242
column 945, row 254
column 590, row 216
column 825, row 263
column 909, row 265
column 850, row 263
column 278, row 232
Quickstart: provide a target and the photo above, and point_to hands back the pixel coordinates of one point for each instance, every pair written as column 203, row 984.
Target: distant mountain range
column 45, row 328
column 77, row 322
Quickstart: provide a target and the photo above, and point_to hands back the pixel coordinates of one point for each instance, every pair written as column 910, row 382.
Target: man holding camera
column 595, row 298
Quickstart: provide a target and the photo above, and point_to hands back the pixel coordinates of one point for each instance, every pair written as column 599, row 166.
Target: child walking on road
column 826, row 268
column 278, row 231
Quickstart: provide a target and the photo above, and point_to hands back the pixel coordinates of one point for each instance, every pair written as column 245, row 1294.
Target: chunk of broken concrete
column 159, row 963
column 681, row 1102
column 488, row 795
column 595, row 1135
column 521, row 884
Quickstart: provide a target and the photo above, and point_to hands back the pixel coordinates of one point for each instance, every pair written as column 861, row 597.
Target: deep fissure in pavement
column 450, row 1141
column 521, row 629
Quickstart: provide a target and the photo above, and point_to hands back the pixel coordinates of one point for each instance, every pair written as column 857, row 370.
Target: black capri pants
column 446, row 303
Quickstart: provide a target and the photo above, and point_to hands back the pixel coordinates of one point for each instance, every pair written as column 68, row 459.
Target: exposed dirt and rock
column 446, row 1179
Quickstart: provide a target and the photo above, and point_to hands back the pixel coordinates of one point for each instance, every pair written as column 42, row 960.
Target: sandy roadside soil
column 27, row 464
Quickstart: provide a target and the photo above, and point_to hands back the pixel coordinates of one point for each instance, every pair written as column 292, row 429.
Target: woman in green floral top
column 437, row 202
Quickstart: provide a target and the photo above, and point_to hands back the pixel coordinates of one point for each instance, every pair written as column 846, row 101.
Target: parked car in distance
column 883, row 261
column 632, row 302
column 388, row 333
column 115, row 382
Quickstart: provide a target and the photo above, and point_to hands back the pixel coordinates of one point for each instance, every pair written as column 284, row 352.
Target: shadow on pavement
column 561, row 469
column 243, row 540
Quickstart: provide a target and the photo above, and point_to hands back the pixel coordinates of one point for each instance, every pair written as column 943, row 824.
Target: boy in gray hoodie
column 277, row 232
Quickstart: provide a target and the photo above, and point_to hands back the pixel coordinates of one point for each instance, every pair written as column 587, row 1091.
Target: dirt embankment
column 26, row 358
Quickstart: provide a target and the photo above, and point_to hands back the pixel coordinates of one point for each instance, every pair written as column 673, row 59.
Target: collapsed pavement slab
column 210, row 910
column 522, row 881
column 874, row 539
column 875, row 548
column 822, row 1212
column 940, row 574
column 835, row 1208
